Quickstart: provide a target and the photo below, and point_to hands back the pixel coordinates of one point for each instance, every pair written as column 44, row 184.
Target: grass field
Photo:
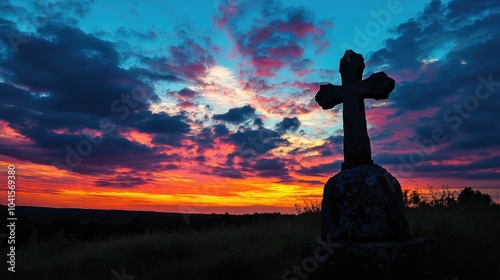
column 468, row 239
column 258, row 251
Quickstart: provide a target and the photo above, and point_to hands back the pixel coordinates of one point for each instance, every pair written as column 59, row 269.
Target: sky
column 208, row 106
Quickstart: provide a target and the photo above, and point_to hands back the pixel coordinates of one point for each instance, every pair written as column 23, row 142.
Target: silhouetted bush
column 446, row 198
column 470, row 198
column 310, row 207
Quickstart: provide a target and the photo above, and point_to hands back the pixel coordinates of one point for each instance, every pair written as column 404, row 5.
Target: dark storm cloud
column 253, row 142
column 174, row 140
column 189, row 93
column 200, row 158
column 438, row 24
column 203, row 140
column 269, row 164
column 236, row 115
column 112, row 152
column 163, row 123
column 462, row 9
column 490, row 164
column 80, row 73
column 170, row 166
column 491, row 175
column 61, row 81
column 205, row 137
column 227, row 172
column 220, row 130
column 484, row 169
column 325, row 169
column 121, row 181
column 462, row 84
column 258, row 122
column 288, row 125
column 271, row 167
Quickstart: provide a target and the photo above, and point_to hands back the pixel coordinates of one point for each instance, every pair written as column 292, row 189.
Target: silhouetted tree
column 469, row 197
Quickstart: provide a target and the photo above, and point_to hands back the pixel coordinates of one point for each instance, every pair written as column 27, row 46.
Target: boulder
column 363, row 203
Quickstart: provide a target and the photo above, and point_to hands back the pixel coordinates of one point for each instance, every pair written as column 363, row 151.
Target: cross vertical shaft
column 356, row 141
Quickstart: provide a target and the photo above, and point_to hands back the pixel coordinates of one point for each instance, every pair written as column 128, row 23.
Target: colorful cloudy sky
column 208, row 106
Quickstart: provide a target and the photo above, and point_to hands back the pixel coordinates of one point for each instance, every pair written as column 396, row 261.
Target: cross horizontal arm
column 377, row 86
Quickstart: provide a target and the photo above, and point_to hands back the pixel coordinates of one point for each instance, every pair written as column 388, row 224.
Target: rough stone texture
column 363, row 204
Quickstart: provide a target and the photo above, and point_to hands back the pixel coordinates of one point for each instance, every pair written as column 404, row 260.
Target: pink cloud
column 257, row 85
column 227, row 11
column 306, row 87
column 184, row 104
column 190, row 59
column 300, row 29
column 275, row 41
column 293, row 50
column 287, row 106
column 266, row 66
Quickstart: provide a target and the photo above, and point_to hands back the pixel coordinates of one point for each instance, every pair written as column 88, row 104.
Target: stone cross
column 352, row 93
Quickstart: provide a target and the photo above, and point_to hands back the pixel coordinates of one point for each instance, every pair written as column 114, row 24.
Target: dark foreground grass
column 468, row 239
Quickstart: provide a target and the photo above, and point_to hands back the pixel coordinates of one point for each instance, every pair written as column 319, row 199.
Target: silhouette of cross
column 352, row 93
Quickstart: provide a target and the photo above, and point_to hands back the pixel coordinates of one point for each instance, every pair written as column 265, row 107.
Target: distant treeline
column 78, row 225
column 418, row 198
column 446, row 198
